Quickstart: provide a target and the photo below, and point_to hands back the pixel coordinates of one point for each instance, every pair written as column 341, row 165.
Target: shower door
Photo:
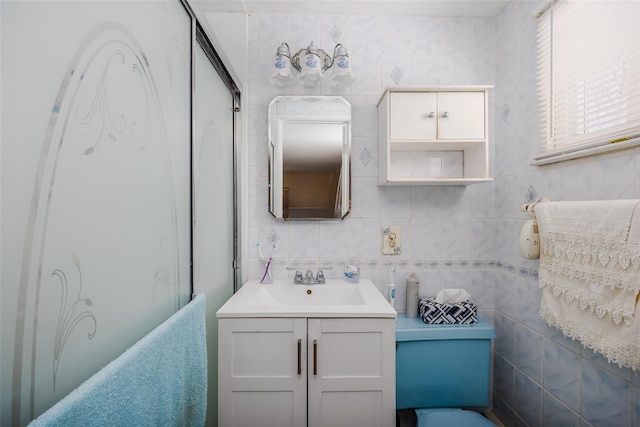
column 95, row 188
column 117, row 185
column 213, row 195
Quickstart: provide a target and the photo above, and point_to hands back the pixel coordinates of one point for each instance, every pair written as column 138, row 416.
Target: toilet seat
column 448, row 417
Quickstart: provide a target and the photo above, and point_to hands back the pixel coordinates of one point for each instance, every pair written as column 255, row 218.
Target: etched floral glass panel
column 95, row 167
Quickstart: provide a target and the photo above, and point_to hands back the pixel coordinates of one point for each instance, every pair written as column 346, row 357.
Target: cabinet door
column 412, row 115
column 351, row 372
column 461, row 115
column 262, row 373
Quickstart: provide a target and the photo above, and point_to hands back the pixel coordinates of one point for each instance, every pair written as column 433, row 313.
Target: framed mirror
column 309, row 157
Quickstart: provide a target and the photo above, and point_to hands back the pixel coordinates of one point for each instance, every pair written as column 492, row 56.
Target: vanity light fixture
column 313, row 65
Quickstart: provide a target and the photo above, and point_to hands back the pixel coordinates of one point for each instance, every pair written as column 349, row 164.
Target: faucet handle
column 298, row 275
column 308, row 276
column 320, row 274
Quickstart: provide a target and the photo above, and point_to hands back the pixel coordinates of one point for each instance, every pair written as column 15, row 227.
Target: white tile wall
column 436, row 223
column 396, row 35
column 452, row 237
column 528, row 399
column 541, row 377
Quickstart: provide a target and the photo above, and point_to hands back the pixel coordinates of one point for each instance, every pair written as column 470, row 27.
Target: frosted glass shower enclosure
column 213, row 214
column 105, row 194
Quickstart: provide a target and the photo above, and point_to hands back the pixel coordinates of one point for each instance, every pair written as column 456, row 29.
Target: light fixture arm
column 335, row 53
column 327, row 61
column 295, row 60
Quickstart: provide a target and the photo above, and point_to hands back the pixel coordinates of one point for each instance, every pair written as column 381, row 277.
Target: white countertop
column 336, row 298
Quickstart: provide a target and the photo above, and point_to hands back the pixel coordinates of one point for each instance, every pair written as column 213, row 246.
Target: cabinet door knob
column 430, row 115
column 445, row 115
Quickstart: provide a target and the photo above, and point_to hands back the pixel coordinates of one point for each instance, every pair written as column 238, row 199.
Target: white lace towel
column 590, row 274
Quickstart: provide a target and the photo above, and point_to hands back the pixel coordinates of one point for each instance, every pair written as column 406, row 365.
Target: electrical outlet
column 391, row 240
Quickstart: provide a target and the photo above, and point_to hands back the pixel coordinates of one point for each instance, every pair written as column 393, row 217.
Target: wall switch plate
column 391, row 235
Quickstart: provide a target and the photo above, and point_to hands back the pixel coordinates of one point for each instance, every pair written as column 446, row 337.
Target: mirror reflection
column 309, row 149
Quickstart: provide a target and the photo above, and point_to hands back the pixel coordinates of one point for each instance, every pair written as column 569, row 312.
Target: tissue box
column 464, row 312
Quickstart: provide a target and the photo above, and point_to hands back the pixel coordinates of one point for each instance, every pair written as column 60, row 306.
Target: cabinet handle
column 299, row 357
column 430, row 115
column 315, row 357
column 445, row 115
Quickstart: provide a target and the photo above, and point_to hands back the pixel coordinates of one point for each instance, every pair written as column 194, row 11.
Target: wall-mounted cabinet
column 433, row 136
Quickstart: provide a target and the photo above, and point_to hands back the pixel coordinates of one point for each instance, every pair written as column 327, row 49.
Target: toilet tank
column 442, row 366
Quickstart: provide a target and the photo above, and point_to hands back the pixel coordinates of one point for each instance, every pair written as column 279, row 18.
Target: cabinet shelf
column 438, row 145
column 436, row 181
column 433, row 136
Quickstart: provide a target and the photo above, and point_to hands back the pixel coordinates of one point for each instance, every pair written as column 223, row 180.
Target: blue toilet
column 441, row 369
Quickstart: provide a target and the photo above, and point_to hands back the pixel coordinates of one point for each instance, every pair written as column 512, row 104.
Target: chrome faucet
column 308, row 278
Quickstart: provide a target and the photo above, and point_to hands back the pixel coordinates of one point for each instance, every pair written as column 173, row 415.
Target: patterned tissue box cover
column 458, row 313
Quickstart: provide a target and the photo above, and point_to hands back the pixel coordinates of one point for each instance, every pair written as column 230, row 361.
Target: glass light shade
column 311, row 69
column 341, row 70
column 281, row 75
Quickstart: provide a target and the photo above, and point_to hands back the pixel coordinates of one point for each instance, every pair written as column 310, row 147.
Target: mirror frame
column 276, row 122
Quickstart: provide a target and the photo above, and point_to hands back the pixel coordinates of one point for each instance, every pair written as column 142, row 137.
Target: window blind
column 589, row 75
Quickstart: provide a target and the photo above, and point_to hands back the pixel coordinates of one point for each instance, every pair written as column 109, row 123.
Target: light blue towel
column 160, row 381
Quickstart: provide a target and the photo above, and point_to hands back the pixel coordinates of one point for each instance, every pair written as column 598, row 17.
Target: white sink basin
column 315, row 294
column 336, row 298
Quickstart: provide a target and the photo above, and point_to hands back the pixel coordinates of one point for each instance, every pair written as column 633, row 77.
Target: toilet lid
column 447, row 417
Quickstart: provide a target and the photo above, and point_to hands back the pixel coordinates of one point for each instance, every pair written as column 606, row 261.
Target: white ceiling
column 470, row 8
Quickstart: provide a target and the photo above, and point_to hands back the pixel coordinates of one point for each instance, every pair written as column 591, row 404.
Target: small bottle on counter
column 392, row 291
column 413, row 288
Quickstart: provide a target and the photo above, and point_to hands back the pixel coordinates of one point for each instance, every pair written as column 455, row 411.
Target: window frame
column 569, row 143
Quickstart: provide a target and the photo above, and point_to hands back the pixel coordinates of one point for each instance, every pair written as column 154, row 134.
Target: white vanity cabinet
column 306, row 372
column 433, row 136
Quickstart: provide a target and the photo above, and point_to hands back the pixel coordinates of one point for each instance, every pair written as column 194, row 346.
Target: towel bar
column 530, row 207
